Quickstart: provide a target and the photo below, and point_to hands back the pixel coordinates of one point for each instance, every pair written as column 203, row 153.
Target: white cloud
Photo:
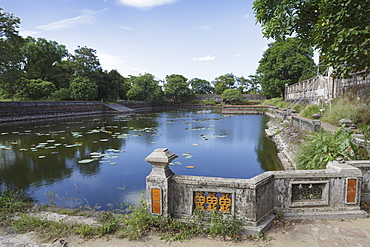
column 87, row 17
column 143, row 4
column 247, row 15
column 127, row 28
column 204, row 28
column 206, row 58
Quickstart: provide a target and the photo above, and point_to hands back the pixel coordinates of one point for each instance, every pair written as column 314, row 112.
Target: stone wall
column 217, row 97
column 324, row 88
column 331, row 193
column 16, row 111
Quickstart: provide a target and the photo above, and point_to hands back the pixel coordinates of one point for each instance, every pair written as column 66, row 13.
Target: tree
column 10, row 54
column 85, row 61
column 224, row 82
column 81, row 88
column 176, row 87
column 37, row 89
column 283, row 63
column 338, row 29
column 252, row 84
column 200, row 86
column 41, row 57
column 232, row 95
column 144, row 87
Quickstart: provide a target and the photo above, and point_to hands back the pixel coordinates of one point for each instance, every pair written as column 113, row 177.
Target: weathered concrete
column 331, row 193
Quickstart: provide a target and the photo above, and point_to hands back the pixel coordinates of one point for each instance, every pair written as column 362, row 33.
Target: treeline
column 40, row 69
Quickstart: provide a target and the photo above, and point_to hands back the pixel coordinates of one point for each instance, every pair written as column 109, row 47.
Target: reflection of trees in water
column 22, row 168
column 266, row 151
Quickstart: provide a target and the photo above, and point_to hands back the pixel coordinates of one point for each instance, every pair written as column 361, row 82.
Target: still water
column 99, row 161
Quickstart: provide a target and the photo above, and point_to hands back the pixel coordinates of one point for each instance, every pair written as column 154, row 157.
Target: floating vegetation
column 41, row 156
column 190, row 167
column 188, row 155
column 4, row 133
column 85, row 161
column 23, row 149
column 113, row 163
column 195, row 144
column 178, row 163
column 104, row 140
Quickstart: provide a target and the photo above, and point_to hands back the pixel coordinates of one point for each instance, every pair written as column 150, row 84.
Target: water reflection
column 45, row 157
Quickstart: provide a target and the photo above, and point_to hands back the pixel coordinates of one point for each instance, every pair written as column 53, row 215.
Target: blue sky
column 193, row 38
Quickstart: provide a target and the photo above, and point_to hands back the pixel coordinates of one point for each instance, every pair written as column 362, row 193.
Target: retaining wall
column 16, row 111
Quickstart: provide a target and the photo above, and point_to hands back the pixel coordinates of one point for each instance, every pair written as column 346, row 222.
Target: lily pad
column 86, row 161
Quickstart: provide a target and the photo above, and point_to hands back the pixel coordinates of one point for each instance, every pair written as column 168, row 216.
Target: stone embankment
column 20, row 111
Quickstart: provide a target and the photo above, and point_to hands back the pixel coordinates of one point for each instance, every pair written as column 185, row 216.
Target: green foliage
column 176, row 88
column 343, row 107
column 200, row 86
column 322, row 147
column 224, row 82
column 61, row 94
column 145, row 88
column 231, row 95
column 327, row 25
column 12, row 201
column 41, row 57
column 309, row 110
column 11, row 57
column 81, row 88
column 283, row 63
column 37, row 89
column 211, row 102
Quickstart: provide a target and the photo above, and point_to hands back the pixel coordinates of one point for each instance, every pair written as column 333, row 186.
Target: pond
column 100, row 161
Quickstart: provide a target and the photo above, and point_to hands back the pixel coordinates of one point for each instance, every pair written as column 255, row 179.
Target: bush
column 343, row 107
column 232, row 95
column 322, row 147
column 309, row 110
column 81, row 88
column 38, row 89
column 61, row 94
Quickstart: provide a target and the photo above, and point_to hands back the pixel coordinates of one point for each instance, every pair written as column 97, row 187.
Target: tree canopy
column 282, row 63
column 339, row 29
column 176, row 87
column 200, row 86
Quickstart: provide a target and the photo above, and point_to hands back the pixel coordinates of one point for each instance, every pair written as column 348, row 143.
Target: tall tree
column 10, row 54
column 144, row 87
column 224, row 82
column 176, row 87
column 283, row 63
column 41, row 57
column 85, row 61
column 338, row 29
column 200, row 86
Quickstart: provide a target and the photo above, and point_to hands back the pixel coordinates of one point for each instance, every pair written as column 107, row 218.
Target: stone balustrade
column 331, row 193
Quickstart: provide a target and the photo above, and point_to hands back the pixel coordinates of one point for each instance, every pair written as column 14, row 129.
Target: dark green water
column 44, row 158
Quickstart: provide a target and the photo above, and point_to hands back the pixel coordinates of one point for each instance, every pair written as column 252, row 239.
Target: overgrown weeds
column 135, row 224
column 322, row 147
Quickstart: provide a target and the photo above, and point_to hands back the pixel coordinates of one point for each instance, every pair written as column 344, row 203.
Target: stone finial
column 160, row 158
column 161, row 155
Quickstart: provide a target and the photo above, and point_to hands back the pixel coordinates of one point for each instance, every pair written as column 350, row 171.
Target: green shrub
column 343, row 107
column 211, row 102
column 309, row 110
column 322, row 147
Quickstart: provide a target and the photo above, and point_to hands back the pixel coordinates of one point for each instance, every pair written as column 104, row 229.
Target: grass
column 138, row 223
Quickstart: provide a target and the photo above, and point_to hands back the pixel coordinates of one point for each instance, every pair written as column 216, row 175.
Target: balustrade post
column 157, row 182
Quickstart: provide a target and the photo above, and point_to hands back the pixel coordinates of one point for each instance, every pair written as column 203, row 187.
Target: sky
column 194, row 38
